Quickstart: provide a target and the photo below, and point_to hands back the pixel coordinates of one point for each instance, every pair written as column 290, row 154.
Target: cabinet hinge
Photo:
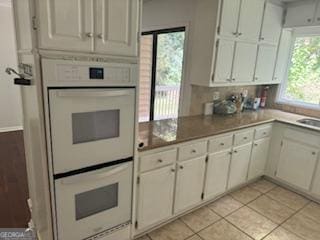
column 202, row 196
column 218, row 29
column 275, row 173
column 217, row 43
column 138, row 180
column 136, row 224
column 207, row 159
column 34, row 23
column 281, row 144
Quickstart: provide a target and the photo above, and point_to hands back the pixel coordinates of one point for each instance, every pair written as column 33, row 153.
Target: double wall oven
column 91, row 108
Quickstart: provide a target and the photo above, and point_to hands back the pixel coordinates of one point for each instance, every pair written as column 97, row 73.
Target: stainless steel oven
column 92, row 202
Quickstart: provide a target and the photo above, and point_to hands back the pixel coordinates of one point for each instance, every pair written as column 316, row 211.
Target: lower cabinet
column 155, row 199
column 297, row 163
column 217, row 174
column 189, row 183
column 239, row 165
column 259, row 158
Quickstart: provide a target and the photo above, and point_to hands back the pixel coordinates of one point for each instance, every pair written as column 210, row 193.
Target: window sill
column 298, row 104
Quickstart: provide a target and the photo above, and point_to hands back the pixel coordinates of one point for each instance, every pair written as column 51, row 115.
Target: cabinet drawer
column 263, row 132
column 220, row 143
column 152, row 161
column 243, row 137
column 192, row 150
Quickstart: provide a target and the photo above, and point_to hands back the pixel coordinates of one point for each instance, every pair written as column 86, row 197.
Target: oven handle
column 93, row 177
column 116, row 93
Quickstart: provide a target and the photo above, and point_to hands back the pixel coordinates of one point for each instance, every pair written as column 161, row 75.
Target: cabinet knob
column 181, row 167
column 235, row 151
column 230, row 153
column 235, row 33
column 245, row 138
column 255, row 144
column 313, row 153
column 318, row 19
column 239, row 34
column 173, row 170
column 221, row 144
column 89, row 35
column 193, row 151
column 160, row 160
column 233, row 79
column 100, row 35
column 261, row 38
column 309, row 20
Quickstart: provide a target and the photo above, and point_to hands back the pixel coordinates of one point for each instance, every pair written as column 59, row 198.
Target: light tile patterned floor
column 262, row 210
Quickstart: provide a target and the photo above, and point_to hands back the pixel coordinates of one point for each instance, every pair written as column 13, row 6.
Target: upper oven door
column 91, row 126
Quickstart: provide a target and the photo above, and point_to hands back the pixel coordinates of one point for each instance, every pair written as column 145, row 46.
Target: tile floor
column 261, row 210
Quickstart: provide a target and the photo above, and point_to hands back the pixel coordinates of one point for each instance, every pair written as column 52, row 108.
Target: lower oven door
column 90, row 203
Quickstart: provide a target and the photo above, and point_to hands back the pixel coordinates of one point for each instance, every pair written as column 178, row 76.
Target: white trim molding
column 11, row 129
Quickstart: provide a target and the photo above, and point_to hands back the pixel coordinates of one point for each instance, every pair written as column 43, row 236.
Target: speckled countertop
column 162, row 133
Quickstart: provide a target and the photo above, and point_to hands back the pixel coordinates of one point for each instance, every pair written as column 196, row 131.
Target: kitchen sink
column 310, row 122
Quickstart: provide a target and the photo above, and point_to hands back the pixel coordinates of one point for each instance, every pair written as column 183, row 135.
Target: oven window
column 96, row 201
column 93, row 126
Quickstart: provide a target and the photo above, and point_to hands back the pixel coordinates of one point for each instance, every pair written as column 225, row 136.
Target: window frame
column 155, row 34
column 304, row 32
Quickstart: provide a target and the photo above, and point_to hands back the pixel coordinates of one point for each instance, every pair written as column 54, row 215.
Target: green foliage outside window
column 304, row 74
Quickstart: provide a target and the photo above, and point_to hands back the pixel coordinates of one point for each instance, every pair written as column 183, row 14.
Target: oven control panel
column 85, row 73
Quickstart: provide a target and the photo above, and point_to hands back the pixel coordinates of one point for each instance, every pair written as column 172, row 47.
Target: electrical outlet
column 216, row 96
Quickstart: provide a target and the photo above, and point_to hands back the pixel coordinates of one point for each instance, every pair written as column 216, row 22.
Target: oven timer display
column 96, row 73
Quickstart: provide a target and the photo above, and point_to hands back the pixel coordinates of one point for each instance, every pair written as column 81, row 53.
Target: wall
column 201, row 95
column 160, row 14
column 10, row 102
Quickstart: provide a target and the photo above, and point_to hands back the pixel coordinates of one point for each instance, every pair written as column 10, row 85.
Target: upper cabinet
column 245, row 38
column 272, row 24
column 71, row 25
column 303, row 13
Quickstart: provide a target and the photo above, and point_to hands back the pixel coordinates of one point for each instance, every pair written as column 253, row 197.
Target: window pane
column 304, row 74
column 168, row 75
column 93, row 126
column 96, row 201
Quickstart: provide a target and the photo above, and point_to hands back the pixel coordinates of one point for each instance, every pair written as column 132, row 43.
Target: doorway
column 161, row 68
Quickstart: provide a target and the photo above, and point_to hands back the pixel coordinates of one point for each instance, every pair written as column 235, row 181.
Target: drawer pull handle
column 181, row 167
column 222, row 144
column 160, row 160
column 193, row 151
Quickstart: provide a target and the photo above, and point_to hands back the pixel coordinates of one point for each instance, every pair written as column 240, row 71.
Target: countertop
column 155, row 134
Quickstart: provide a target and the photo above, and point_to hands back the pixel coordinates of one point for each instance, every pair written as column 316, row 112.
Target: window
column 303, row 79
column 161, row 65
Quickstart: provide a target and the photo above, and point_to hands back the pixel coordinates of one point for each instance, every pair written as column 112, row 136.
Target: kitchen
column 154, row 120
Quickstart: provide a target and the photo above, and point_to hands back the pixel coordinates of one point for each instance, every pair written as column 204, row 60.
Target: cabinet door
column 217, row 174
column 66, row 25
column 239, row 165
column 265, row 64
column 229, row 17
column 297, row 163
column 251, row 13
column 272, row 24
column 224, row 59
column 155, row 199
column 189, row 185
column 300, row 14
column 283, row 56
column 117, row 27
column 317, row 15
column 259, row 158
column 244, row 62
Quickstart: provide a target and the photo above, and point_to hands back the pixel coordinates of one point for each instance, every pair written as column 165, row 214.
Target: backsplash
column 201, row 95
column 271, row 103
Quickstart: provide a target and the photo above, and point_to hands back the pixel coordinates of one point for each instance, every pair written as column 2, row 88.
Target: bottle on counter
column 263, row 97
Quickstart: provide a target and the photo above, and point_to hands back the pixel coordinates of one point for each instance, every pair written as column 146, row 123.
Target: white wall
column 10, row 103
column 160, row 14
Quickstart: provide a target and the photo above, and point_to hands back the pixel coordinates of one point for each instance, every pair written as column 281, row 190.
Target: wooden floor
column 14, row 211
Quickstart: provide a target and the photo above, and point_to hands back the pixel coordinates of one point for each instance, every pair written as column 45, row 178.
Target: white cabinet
column 239, row 165
column 66, row 25
column 297, row 163
column 250, row 19
column 155, row 196
column 189, row 183
column 217, row 174
column 224, row 59
column 244, row 62
column 316, row 183
column 117, row 27
column 300, row 14
column 272, row 24
column 229, row 17
column 259, row 158
column 102, row 26
column 265, row 65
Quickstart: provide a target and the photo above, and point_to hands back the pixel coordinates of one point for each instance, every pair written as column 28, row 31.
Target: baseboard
column 11, row 129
